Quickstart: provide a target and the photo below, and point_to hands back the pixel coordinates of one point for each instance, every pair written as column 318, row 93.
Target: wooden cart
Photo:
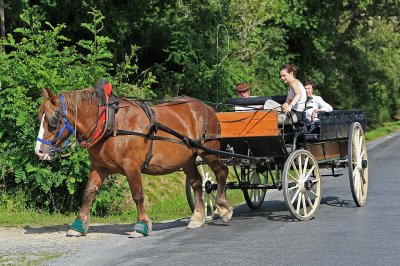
column 265, row 155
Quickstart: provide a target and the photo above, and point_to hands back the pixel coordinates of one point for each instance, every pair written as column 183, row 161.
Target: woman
column 296, row 98
column 314, row 103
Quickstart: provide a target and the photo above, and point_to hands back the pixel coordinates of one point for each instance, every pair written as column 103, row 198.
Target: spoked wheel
column 255, row 196
column 358, row 164
column 208, row 193
column 301, row 183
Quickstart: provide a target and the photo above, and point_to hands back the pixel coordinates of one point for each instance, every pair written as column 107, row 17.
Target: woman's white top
column 301, row 104
column 316, row 102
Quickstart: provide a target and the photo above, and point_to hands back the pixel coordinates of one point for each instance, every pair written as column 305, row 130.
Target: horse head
column 54, row 126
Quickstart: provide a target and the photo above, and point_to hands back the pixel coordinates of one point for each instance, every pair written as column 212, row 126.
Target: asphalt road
column 340, row 233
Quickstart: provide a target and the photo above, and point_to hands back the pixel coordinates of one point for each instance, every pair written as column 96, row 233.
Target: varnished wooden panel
column 248, row 124
column 329, row 150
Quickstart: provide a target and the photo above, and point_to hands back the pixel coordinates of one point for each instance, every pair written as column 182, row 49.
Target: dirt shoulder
column 40, row 245
column 47, row 245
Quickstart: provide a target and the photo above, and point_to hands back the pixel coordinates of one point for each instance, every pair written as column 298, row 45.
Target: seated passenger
column 296, row 98
column 314, row 103
column 242, row 90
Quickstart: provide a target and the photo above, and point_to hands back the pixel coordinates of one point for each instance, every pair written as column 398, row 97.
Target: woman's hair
column 290, row 68
column 310, row 82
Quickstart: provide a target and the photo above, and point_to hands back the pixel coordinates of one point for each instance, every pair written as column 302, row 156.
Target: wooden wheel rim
column 358, row 164
column 208, row 178
column 302, row 185
column 255, row 197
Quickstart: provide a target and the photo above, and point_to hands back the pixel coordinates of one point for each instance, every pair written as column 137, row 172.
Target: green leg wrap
column 79, row 226
column 140, row 227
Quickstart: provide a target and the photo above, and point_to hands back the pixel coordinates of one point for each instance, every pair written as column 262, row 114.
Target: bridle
column 55, row 121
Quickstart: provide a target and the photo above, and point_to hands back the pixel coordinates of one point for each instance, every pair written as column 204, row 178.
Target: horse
column 155, row 140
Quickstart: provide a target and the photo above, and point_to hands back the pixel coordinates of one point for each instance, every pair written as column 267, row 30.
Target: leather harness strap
column 152, row 132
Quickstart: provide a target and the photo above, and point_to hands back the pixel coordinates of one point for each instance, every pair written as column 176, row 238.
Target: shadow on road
column 118, row 229
column 274, row 210
column 337, row 202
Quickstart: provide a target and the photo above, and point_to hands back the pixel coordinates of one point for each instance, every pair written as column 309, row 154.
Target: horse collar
column 107, row 106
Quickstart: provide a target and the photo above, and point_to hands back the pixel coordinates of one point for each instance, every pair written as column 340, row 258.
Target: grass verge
column 386, row 129
column 28, row 259
column 165, row 199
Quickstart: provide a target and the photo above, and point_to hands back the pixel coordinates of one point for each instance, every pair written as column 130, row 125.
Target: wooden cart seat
column 289, row 119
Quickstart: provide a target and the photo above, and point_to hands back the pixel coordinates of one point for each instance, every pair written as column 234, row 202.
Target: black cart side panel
column 271, row 146
column 336, row 124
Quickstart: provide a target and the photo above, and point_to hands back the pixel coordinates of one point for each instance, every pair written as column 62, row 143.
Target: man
column 314, row 103
column 242, row 90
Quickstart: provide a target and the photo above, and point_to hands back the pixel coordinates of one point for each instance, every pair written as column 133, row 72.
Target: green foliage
column 38, row 56
column 110, row 198
column 197, row 48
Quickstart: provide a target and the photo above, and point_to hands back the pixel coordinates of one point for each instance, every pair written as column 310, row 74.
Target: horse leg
column 223, row 207
column 81, row 224
column 198, row 218
column 143, row 226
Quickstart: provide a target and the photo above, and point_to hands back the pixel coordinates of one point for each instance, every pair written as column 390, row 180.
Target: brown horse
column 136, row 147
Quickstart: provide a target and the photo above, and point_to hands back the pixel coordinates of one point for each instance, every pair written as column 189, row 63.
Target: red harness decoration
column 103, row 118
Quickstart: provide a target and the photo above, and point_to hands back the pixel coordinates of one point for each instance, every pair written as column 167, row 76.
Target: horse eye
column 53, row 121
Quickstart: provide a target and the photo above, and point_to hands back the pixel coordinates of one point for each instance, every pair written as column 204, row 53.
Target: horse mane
column 79, row 98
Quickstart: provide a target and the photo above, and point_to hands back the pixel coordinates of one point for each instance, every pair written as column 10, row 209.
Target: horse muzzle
column 44, row 153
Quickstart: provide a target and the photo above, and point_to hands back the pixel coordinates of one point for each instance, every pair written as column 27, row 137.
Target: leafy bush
column 38, row 56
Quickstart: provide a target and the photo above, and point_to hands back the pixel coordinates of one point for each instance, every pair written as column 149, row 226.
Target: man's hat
column 242, row 86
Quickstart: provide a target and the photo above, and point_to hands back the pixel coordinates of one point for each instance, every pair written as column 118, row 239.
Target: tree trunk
column 2, row 26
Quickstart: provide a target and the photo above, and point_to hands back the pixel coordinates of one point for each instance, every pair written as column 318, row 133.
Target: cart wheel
column 208, row 191
column 302, row 185
column 255, row 197
column 358, row 164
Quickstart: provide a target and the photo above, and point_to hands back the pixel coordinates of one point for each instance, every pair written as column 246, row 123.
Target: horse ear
column 49, row 95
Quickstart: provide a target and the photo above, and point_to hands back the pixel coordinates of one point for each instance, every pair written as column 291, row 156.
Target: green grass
column 28, row 259
column 386, row 129
column 165, row 199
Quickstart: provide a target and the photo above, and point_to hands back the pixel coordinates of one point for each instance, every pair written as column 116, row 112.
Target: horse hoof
column 195, row 224
column 135, row 234
column 73, row 233
column 141, row 229
column 225, row 213
column 78, row 228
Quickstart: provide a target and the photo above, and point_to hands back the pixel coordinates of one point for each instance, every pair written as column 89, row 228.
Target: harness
column 67, row 126
column 108, row 105
column 156, row 126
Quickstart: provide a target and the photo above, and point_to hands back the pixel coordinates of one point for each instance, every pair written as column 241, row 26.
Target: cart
column 288, row 156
